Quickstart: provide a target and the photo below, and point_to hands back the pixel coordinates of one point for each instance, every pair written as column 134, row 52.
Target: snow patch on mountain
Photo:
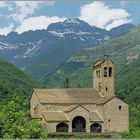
column 106, row 37
column 82, row 39
column 57, row 34
column 62, row 34
column 31, row 50
column 71, row 21
column 8, row 46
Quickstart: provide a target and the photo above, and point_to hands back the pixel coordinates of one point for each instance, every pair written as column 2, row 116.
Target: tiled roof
column 61, row 116
column 76, row 96
column 72, row 107
column 98, row 63
column 54, row 116
column 94, row 116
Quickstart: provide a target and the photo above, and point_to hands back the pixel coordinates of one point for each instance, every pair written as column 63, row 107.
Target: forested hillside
column 15, row 91
column 124, row 50
column 14, row 81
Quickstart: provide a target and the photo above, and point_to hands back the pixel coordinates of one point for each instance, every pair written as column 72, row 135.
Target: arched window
column 95, row 128
column 62, row 127
column 105, row 71
column 110, row 71
column 99, row 73
column 79, row 124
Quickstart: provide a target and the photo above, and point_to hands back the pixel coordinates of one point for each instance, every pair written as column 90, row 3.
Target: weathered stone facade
column 94, row 109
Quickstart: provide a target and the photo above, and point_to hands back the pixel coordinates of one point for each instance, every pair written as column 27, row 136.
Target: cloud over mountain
column 23, row 16
column 102, row 16
column 6, row 30
column 35, row 23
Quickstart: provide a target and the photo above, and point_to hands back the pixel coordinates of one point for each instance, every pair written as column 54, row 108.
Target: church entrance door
column 79, row 124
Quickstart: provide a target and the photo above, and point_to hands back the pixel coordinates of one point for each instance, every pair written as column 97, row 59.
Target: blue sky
column 22, row 16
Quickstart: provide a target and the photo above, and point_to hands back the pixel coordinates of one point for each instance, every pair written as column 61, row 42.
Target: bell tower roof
column 100, row 62
column 107, row 57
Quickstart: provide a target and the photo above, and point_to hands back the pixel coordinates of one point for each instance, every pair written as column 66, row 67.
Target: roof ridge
column 51, row 111
column 75, row 106
column 64, row 88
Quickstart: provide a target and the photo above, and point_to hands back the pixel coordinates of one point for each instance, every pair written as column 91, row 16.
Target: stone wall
column 35, row 107
column 114, row 113
column 116, row 116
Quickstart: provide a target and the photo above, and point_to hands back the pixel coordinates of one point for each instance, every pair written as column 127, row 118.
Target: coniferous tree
column 66, row 83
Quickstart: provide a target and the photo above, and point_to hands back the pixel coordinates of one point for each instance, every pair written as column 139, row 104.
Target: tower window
column 105, row 71
column 106, row 89
column 99, row 73
column 110, row 71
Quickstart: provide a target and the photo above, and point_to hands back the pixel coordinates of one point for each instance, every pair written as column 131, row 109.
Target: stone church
column 94, row 109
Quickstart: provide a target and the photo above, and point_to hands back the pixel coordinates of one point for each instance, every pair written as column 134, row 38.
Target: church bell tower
column 103, row 77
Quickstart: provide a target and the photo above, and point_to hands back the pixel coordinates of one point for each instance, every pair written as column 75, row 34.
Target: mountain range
column 41, row 52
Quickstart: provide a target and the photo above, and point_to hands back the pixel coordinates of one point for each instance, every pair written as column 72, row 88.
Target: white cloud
column 100, row 15
column 22, row 16
column 3, row 4
column 116, row 23
column 40, row 22
column 6, row 30
column 25, row 8
column 123, row 3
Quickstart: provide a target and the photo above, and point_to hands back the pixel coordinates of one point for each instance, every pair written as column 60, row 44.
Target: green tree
column 34, row 129
column 66, row 83
column 79, row 86
column 15, row 122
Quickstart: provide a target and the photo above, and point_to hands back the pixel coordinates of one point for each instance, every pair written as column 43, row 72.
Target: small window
column 110, row 71
column 120, row 107
column 109, row 120
column 105, row 71
column 96, row 73
column 99, row 73
column 106, row 89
